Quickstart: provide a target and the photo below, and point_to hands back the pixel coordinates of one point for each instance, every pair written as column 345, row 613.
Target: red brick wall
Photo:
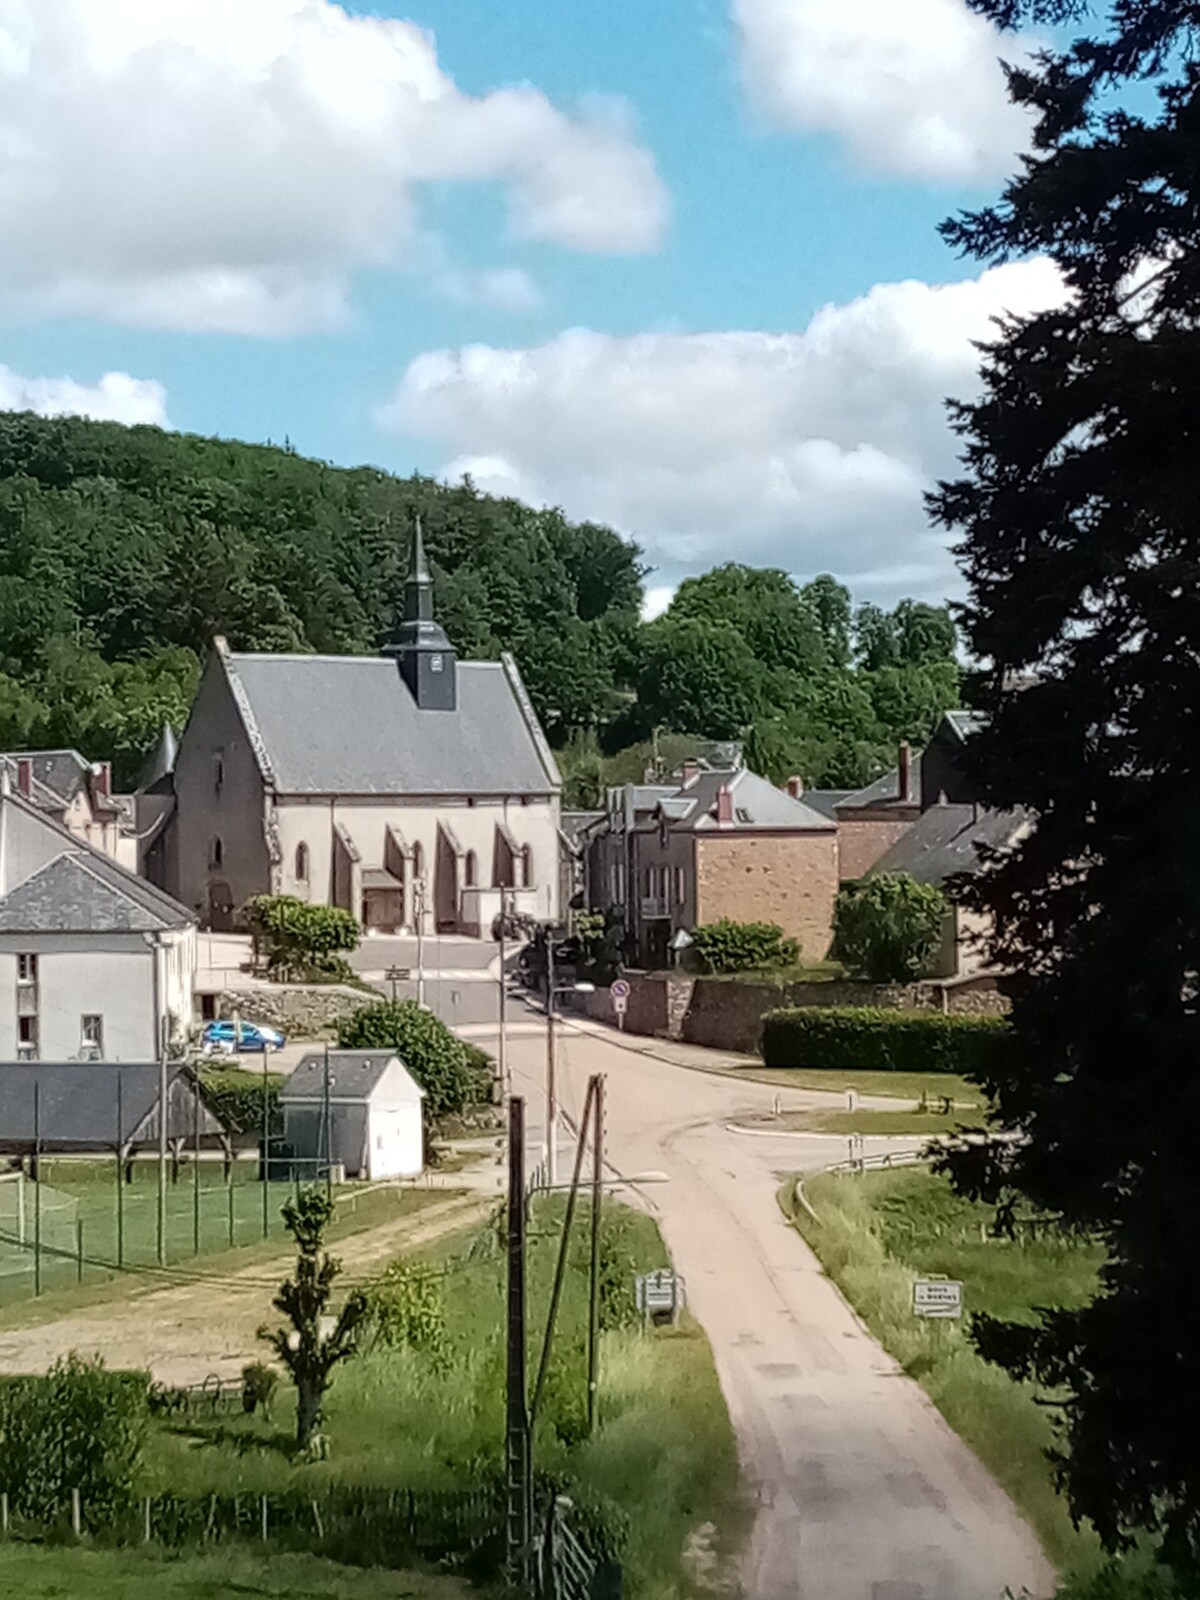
column 862, row 842
column 787, row 878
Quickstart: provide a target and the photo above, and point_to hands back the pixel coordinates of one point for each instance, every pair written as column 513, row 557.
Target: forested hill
column 124, row 550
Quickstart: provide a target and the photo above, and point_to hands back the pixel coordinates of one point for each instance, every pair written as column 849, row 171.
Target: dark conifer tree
column 1079, row 512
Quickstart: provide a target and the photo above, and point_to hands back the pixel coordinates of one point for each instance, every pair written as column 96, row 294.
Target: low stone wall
column 302, row 1011
column 726, row 1015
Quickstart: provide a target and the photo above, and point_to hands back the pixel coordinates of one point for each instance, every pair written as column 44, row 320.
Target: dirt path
column 183, row 1333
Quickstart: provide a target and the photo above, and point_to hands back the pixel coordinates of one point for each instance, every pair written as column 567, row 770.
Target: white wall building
column 358, row 1109
column 95, row 963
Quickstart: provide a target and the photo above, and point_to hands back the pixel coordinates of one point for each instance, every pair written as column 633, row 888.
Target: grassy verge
column 663, row 1455
column 837, row 1080
column 914, row 1121
column 67, row 1573
column 874, row 1236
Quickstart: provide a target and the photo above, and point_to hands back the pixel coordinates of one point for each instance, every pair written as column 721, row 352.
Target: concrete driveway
column 863, row 1492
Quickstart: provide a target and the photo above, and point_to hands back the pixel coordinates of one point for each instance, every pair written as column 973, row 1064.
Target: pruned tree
column 307, row 1352
column 1080, row 544
column 886, row 928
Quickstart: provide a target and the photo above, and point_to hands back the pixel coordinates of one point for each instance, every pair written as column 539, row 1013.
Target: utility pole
column 419, row 891
column 162, row 1141
column 551, row 1068
column 266, row 1146
column 502, row 1058
column 328, row 1131
column 517, row 1455
column 594, row 1282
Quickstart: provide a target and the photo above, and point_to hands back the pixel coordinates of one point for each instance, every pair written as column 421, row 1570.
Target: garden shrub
column 406, row 1309
column 452, row 1073
column 78, row 1427
column 300, row 940
column 727, row 946
column 886, row 929
column 235, row 1096
column 861, row 1037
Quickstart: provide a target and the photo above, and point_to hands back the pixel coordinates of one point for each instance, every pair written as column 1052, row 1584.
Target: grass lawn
column 63, row 1292
column 865, row 1121
column 837, row 1080
column 875, row 1235
column 69, row 1573
column 664, row 1451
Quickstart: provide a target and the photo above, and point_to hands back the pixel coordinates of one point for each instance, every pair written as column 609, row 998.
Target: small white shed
column 361, row 1111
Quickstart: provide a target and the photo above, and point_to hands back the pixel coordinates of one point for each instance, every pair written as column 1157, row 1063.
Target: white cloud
column 227, row 165
column 115, row 398
column 806, row 450
column 915, row 87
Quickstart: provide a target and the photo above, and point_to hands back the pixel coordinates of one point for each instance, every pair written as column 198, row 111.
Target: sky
column 671, row 266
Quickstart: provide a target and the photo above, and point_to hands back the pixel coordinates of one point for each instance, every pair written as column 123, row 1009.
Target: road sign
column 619, row 989
column 620, row 1005
column 660, row 1293
column 937, row 1297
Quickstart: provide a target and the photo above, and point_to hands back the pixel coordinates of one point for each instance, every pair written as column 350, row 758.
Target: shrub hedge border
column 867, row 1038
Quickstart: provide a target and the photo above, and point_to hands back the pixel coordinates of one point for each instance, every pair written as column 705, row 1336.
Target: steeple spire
column 424, row 655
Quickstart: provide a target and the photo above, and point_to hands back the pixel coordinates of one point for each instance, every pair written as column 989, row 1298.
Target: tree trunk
column 308, row 1411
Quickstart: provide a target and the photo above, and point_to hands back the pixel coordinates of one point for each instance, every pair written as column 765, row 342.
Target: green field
column 65, row 1573
column 875, row 1235
column 85, row 1193
column 663, row 1455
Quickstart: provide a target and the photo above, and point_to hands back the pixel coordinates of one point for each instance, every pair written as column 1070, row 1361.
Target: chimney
column 725, row 804
column 795, row 787
column 691, row 771
column 904, row 761
column 24, row 776
column 101, row 779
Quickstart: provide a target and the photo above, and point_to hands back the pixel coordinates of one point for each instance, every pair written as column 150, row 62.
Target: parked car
column 218, row 1038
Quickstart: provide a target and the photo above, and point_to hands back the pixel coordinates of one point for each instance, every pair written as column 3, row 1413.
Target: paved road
column 863, row 1491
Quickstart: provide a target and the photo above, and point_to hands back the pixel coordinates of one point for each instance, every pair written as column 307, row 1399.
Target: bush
column 406, row 1309
column 258, row 1387
column 78, row 1427
column 885, row 929
column 727, row 946
column 449, row 1071
column 859, row 1037
column 236, row 1097
column 300, row 940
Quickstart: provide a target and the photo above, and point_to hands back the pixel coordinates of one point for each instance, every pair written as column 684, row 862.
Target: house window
column 91, row 1037
column 649, row 880
column 218, row 774
column 680, row 886
column 27, row 1038
column 418, row 861
column 216, row 852
column 664, row 885
column 527, row 867
column 302, row 863
column 26, row 969
column 471, row 870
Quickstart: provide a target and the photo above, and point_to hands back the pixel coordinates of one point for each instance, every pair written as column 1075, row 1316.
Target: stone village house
column 400, row 786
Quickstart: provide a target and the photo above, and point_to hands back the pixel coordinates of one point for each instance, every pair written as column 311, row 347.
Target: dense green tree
column 766, row 608
column 1081, row 550
column 698, row 674
column 887, row 928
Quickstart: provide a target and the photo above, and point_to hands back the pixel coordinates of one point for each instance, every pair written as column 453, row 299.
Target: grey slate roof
column 886, row 790
column 756, row 804
column 78, row 1104
column 81, row 890
column 63, row 771
column 349, row 725
column 160, row 763
column 353, row 1075
column 825, row 800
column 946, row 839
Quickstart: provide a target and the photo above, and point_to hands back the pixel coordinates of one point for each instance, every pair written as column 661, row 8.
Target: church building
column 402, row 787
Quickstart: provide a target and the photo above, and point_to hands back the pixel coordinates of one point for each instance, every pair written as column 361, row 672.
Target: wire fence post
column 232, row 1186
column 120, row 1175
column 37, row 1192
column 79, row 1250
column 326, row 1135
column 266, row 1145
column 196, row 1165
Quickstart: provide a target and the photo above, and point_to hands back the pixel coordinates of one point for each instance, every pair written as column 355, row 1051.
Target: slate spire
column 426, row 658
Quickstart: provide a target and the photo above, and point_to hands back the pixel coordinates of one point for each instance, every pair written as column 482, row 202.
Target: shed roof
column 353, row 1075
column 81, row 1103
column 349, row 725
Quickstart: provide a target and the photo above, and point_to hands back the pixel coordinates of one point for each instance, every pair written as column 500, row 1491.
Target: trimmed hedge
column 865, row 1038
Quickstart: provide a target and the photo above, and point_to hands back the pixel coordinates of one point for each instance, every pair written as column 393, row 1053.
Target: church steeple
column 426, row 658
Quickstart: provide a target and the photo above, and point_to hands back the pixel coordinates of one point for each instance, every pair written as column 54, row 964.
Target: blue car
column 218, row 1038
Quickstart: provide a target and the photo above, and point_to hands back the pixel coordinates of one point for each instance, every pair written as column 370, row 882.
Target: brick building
column 874, row 819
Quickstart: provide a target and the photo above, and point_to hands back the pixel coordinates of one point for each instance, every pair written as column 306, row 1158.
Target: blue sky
column 678, row 179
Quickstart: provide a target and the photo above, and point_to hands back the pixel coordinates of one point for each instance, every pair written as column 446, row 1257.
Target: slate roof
column 349, row 725
column 353, row 1075
column 946, row 839
column 78, row 1103
column 81, row 890
column 886, row 790
column 62, row 771
column 826, row 800
column 756, row 804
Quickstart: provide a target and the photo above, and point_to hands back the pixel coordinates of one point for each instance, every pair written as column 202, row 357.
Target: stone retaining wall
column 302, row 1011
column 726, row 1015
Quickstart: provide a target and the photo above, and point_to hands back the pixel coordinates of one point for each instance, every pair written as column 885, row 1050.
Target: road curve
column 863, row 1492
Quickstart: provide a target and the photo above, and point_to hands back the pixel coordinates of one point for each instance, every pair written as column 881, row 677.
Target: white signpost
column 937, row 1297
column 619, row 990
